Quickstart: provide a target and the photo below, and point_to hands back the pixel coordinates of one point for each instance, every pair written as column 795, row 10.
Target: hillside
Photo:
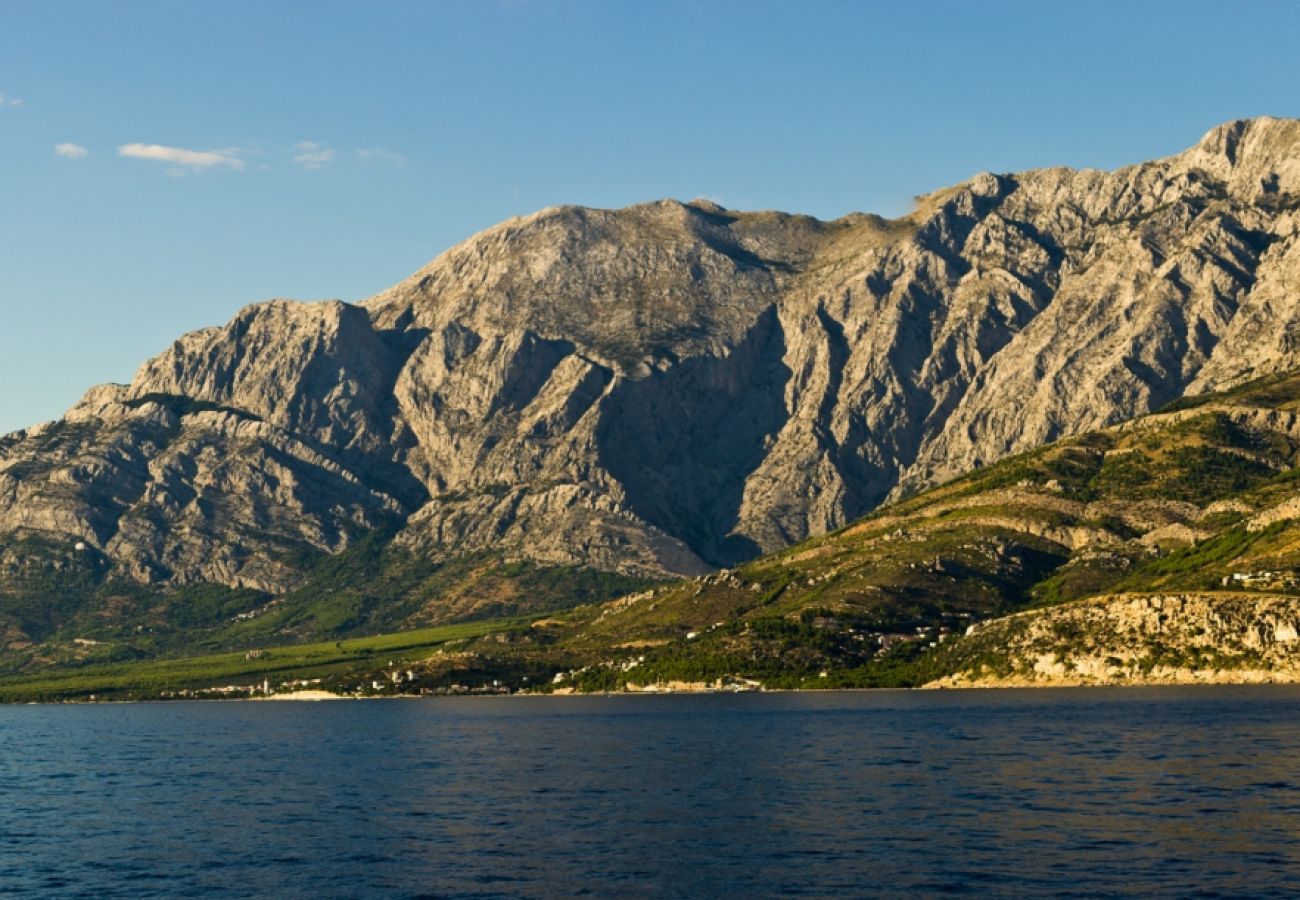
column 582, row 402
column 1182, row 527
column 1165, row 549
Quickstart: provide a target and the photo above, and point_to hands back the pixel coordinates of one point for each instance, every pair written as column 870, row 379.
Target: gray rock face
column 673, row 387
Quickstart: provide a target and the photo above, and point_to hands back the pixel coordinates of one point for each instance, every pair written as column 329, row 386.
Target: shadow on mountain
column 683, row 441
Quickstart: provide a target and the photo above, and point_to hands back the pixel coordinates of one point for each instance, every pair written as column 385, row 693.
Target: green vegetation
column 338, row 664
column 1278, row 391
column 1201, row 565
column 1082, row 576
column 54, row 596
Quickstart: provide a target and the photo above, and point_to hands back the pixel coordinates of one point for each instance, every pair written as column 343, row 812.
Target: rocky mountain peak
column 1263, row 153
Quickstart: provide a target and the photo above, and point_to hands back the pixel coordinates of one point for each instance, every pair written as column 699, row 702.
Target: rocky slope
column 1203, row 638
column 670, row 388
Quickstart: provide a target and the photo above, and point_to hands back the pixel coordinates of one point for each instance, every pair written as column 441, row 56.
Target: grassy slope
column 1164, row 503
column 62, row 600
column 346, row 665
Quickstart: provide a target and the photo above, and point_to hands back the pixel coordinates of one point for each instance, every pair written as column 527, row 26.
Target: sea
column 1177, row 792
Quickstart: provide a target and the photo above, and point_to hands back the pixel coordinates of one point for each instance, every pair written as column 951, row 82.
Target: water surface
column 1189, row 792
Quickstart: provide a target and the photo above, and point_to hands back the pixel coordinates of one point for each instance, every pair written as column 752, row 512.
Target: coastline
column 1254, row 678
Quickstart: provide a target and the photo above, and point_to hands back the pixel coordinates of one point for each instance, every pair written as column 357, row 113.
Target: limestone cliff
column 1201, row 638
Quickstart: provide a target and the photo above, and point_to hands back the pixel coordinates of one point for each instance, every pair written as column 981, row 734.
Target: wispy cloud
column 71, row 151
column 378, row 155
column 311, row 155
column 185, row 160
column 10, row 101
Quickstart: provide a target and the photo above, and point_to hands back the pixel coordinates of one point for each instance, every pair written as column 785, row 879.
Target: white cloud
column 312, row 155
column 370, row 155
column 71, row 151
column 10, row 101
column 185, row 160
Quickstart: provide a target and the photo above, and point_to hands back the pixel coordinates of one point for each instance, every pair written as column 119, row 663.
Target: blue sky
column 164, row 163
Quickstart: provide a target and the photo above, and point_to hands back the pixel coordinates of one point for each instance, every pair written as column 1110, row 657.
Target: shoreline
column 931, row 688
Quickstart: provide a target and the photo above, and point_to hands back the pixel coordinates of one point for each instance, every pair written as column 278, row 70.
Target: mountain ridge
column 675, row 387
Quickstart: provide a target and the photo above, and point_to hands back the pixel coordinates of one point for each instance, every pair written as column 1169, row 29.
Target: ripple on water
column 1072, row 793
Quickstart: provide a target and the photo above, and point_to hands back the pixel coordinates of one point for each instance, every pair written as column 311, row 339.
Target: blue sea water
column 1171, row 792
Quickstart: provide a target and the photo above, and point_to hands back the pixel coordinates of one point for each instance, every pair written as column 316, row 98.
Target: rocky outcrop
column 670, row 388
column 1183, row 638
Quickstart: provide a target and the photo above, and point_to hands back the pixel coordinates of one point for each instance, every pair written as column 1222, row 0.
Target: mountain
column 579, row 402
